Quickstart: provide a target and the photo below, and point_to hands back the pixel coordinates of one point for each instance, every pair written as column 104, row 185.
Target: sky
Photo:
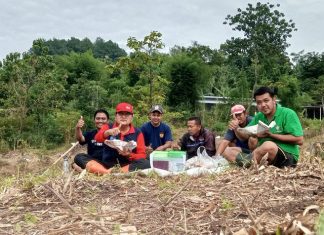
column 181, row 22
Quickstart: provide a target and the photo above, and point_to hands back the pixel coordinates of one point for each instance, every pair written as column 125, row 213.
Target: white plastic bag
column 205, row 161
column 202, row 164
column 121, row 145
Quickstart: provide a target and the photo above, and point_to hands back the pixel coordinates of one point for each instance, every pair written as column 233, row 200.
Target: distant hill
column 100, row 48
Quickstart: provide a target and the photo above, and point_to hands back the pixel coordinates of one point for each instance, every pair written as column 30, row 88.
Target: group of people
column 280, row 143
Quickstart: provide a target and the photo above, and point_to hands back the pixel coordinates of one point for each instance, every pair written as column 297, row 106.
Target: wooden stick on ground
column 65, row 202
column 74, row 145
column 185, row 220
column 175, row 195
column 256, row 224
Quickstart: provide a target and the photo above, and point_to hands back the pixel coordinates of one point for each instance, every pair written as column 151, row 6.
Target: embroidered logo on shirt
column 161, row 135
column 278, row 129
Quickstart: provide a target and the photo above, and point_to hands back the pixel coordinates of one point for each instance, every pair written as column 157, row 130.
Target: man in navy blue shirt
column 94, row 148
column 157, row 135
column 231, row 145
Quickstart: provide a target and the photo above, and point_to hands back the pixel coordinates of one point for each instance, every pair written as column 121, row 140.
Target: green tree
column 189, row 77
column 145, row 53
column 84, row 76
column 89, row 96
column 76, row 66
column 33, row 91
column 57, row 46
column 309, row 69
column 262, row 49
column 74, row 44
column 288, row 91
column 205, row 53
column 107, row 50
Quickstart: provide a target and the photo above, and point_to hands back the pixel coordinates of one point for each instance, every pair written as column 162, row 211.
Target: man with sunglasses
column 232, row 145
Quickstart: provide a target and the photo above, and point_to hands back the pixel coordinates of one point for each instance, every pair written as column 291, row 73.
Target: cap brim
column 237, row 113
column 156, row 110
column 127, row 111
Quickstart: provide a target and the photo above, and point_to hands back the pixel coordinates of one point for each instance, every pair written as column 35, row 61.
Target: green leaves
column 188, row 76
column 263, row 26
column 261, row 53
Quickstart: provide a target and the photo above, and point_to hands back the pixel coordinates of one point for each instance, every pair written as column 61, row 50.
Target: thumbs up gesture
column 116, row 130
column 234, row 123
column 80, row 123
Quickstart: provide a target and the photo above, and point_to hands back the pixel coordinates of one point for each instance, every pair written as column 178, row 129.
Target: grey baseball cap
column 156, row 108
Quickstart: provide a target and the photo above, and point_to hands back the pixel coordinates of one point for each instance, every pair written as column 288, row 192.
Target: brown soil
column 247, row 200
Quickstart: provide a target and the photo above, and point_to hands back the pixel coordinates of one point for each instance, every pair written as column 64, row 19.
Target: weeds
column 226, row 204
column 116, row 229
column 7, row 182
column 30, row 218
column 320, row 224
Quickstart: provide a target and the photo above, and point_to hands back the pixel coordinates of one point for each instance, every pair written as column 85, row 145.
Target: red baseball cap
column 237, row 109
column 124, row 107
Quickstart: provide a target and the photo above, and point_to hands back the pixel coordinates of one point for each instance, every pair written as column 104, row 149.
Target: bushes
column 41, row 132
column 312, row 127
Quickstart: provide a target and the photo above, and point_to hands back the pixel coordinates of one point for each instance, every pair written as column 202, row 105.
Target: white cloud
column 180, row 22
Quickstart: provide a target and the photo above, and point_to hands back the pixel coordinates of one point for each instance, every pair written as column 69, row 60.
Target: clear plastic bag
column 121, row 145
column 205, row 161
column 202, row 164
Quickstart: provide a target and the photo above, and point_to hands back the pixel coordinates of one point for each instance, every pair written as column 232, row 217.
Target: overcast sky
column 180, row 21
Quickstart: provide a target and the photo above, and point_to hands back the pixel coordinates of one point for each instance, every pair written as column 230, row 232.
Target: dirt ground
column 238, row 201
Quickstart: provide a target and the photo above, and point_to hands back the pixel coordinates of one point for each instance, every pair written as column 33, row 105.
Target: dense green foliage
column 45, row 90
column 104, row 50
column 261, row 52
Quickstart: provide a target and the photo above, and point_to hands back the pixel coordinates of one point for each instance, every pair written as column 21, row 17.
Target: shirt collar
column 278, row 110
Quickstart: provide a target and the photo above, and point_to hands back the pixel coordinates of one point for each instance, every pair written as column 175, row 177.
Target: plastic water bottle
column 66, row 169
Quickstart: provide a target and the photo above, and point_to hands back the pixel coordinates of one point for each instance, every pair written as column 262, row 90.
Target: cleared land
column 267, row 200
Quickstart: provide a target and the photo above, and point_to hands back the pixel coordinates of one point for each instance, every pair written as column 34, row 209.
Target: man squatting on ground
column 231, row 145
column 124, row 130
column 197, row 136
column 94, row 148
column 281, row 141
column 157, row 134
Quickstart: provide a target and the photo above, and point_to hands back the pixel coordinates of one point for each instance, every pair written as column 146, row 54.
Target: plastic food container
column 173, row 161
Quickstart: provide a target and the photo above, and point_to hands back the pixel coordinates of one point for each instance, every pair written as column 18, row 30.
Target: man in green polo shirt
column 282, row 140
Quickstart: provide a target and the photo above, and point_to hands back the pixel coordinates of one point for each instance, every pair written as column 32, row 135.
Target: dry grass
column 266, row 201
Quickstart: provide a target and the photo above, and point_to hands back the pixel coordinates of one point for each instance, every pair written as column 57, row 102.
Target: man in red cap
column 122, row 129
column 232, row 145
